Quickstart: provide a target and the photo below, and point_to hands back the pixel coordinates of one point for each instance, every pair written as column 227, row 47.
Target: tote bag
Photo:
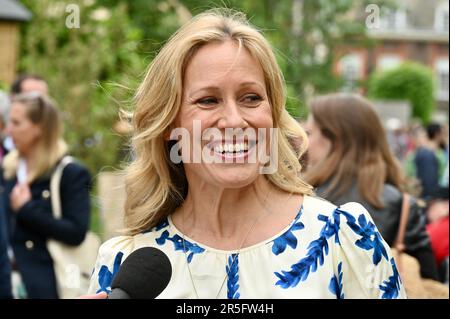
column 72, row 264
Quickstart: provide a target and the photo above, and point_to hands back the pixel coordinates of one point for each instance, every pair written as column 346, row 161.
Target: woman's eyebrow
column 215, row 88
column 252, row 83
column 207, row 88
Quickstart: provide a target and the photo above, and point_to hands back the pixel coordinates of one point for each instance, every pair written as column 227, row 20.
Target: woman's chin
column 234, row 176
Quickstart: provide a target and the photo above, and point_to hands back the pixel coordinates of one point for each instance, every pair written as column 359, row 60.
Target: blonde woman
column 35, row 127
column 231, row 225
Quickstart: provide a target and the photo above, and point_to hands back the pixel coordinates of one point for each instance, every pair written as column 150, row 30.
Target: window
column 351, row 69
column 441, row 17
column 442, row 75
column 394, row 19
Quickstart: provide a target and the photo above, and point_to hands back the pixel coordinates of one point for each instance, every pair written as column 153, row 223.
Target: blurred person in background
column 4, row 111
column 438, row 203
column 430, row 160
column 418, row 138
column 22, row 84
column 29, row 83
column 35, row 127
column 349, row 160
column 5, row 267
column 397, row 138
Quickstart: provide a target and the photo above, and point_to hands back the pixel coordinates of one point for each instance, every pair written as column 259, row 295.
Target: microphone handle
column 118, row 293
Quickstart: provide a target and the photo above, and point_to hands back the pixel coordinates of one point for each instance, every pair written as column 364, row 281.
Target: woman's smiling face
column 224, row 89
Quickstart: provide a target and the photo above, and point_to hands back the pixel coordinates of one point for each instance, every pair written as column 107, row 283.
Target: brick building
column 417, row 30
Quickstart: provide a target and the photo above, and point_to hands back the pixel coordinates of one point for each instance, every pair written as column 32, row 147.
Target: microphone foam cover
column 144, row 274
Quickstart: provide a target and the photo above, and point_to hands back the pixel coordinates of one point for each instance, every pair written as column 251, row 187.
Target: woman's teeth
column 231, row 148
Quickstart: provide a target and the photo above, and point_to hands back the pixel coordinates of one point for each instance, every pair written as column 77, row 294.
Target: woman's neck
column 29, row 157
column 233, row 218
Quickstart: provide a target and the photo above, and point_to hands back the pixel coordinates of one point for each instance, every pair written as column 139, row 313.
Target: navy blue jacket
column 5, row 267
column 427, row 167
column 33, row 224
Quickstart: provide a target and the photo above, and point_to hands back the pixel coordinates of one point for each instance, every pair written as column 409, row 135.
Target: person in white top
column 230, row 208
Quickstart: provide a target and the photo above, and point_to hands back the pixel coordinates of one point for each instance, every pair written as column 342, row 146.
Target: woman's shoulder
column 324, row 210
column 391, row 194
column 74, row 170
column 119, row 244
column 324, row 207
column 73, row 165
column 126, row 244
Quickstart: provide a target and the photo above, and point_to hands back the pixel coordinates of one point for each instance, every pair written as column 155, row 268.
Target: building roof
column 12, row 10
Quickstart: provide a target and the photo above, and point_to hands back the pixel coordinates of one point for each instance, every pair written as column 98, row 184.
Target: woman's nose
column 231, row 116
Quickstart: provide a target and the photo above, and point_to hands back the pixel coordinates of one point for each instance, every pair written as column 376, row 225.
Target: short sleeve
column 364, row 267
column 110, row 256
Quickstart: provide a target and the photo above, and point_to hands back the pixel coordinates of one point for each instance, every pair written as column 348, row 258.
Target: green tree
column 410, row 81
column 117, row 39
column 81, row 66
column 304, row 34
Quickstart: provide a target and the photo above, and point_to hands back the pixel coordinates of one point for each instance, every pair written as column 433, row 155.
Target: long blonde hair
column 155, row 186
column 50, row 147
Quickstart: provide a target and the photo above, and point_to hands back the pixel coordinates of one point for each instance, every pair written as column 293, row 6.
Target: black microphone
column 144, row 274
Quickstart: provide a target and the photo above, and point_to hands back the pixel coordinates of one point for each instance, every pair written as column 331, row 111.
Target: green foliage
column 92, row 71
column 305, row 39
column 410, row 81
column 81, row 66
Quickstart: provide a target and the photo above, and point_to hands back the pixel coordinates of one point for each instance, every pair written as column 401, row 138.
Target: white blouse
column 325, row 252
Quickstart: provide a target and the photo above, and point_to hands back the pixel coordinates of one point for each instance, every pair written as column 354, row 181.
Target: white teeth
column 230, row 147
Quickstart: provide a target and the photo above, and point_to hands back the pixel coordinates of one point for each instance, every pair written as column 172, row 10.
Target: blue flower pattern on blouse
column 288, row 238
column 163, row 224
column 391, row 287
column 336, row 283
column 294, row 260
column 232, row 270
column 178, row 244
column 371, row 239
column 316, row 249
column 105, row 276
